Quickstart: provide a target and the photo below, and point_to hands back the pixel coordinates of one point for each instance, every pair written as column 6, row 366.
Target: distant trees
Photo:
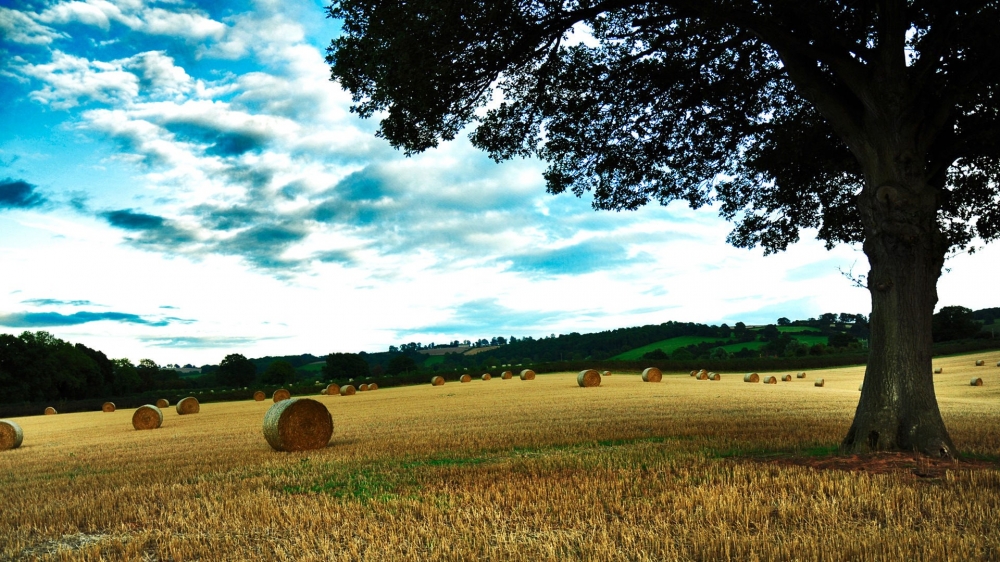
column 236, row 370
column 401, row 363
column 279, row 372
column 345, row 365
column 954, row 323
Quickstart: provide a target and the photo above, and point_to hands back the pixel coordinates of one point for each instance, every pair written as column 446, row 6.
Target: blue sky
column 181, row 180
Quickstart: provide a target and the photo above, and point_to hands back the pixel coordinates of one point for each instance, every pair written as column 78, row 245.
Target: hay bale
column 980, row 363
column 702, row 376
column 50, row 411
column 348, row 390
column 714, row 377
column 938, row 371
column 751, row 377
column 11, row 435
column 651, row 374
column 372, row 386
column 770, row 379
column 298, row 424
column 188, row 405
column 694, row 373
column 527, row 375
column 819, row 382
column 163, row 403
column 437, row 380
column 362, row 387
column 147, row 417
column 486, row 376
column 860, row 386
column 465, row 378
column 323, row 392
column 108, row 407
column 701, row 372
column 786, row 378
column 259, row 396
column 506, row 375
column 800, row 376
column 976, row 381
column 605, row 373
column 588, row 377
column 332, row 389
column 281, row 394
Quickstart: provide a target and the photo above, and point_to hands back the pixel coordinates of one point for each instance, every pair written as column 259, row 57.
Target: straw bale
column 465, row 378
column 770, row 379
column 437, row 380
column 714, row 377
column 332, row 389
column 819, row 382
column 348, row 390
column 147, row 417
column 281, row 394
column 980, row 363
column 702, row 376
column 298, row 424
column 108, row 407
column 50, row 411
column 259, row 396
column 651, row 374
column 372, row 386
column 506, row 375
column 605, row 373
column 588, row 377
column 938, row 371
column 163, row 403
column 786, row 378
column 976, row 381
column 751, row 377
column 11, row 435
column 323, row 392
column 527, row 375
column 188, row 405
column 362, row 387
column 800, row 376
column 694, row 373
column 486, row 376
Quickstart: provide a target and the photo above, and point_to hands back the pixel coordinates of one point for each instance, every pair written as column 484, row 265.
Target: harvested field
column 680, row 470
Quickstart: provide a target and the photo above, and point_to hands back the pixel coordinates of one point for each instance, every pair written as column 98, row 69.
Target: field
column 513, row 470
column 670, row 345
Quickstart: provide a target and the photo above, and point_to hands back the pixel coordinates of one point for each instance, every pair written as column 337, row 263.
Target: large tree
column 872, row 122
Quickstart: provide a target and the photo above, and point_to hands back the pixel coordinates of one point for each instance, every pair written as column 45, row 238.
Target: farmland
column 668, row 346
column 512, row 470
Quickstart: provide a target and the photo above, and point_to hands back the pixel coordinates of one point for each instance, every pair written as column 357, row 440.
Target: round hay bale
column 11, row 435
column 605, row 373
column 860, row 386
column 694, row 373
column 507, row 375
column 786, row 378
column 147, row 417
column 938, row 371
column 701, row 372
column 588, row 377
column 323, row 392
column 437, row 380
column 259, row 396
column 800, row 376
column 751, row 377
column 362, row 387
column 819, row 382
column 998, row 363
column 770, row 379
column 298, row 424
column 108, row 407
column 163, row 403
column 372, row 386
column 281, row 394
column 188, row 405
column 527, row 375
column 980, row 363
column 714, row 377
column 702, row 376
column 487, row 376
column 332, row 389
column 50, row 411
column 465, row 378
column 976, row 381
column 348, row 390
column 651, row 374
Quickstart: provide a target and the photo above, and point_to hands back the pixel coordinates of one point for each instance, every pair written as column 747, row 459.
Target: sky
column 181, row 180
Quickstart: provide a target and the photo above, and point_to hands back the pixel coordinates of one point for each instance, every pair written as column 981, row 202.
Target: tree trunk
column 898, row 409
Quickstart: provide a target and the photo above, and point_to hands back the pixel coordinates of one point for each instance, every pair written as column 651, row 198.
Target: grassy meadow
column 511, row 470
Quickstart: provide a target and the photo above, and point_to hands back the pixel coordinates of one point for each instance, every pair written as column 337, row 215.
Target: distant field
column 312, row 367
column 433, row 360
column 509, row 470
column 670, row 345
column 797, row 329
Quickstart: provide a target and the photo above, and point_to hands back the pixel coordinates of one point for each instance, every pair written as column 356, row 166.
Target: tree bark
column 898, row 408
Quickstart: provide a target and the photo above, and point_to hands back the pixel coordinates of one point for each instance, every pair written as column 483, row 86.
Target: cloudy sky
column 181, row 180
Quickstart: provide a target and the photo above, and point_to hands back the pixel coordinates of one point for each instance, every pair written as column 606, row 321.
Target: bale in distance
column 163, row 403
column 465, row 378
column 938, row 371
column 362, row 387
column 980, row 362
column 751, row 377
column 651, row 374
column 372, row 386
column 50, row 411
column 694, row 373
column 588, row 377
column 348, row 390
column 714, row 377
column 108, row 407
column 770, row 379
column 860, row 386
column 298, row 424
column 786, row 378
column 507, row 375
column 976, row 381
column 188, row 405
column 800, row 376
column 700, row 373
column 605, row 373
column 281, row 394
column 332, row 389
column 486, row 376
column 820, row 382
column 437, row 380
column 323, row 392
column 11, row 435
column 527, row 375
column 702, row 376
column 147, row 417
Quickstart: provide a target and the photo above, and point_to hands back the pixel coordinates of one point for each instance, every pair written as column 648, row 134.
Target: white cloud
column 20, row 28
column 69, row 79
column 188, row 24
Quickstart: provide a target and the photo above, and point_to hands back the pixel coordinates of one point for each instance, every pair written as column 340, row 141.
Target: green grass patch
column 434, row 360
column 667, row 346
column 312, row 367
column 797, row 329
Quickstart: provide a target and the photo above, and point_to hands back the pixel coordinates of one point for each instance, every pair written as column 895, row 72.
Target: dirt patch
column 883, row 463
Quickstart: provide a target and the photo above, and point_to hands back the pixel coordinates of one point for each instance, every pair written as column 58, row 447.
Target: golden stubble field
column 508, row 470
